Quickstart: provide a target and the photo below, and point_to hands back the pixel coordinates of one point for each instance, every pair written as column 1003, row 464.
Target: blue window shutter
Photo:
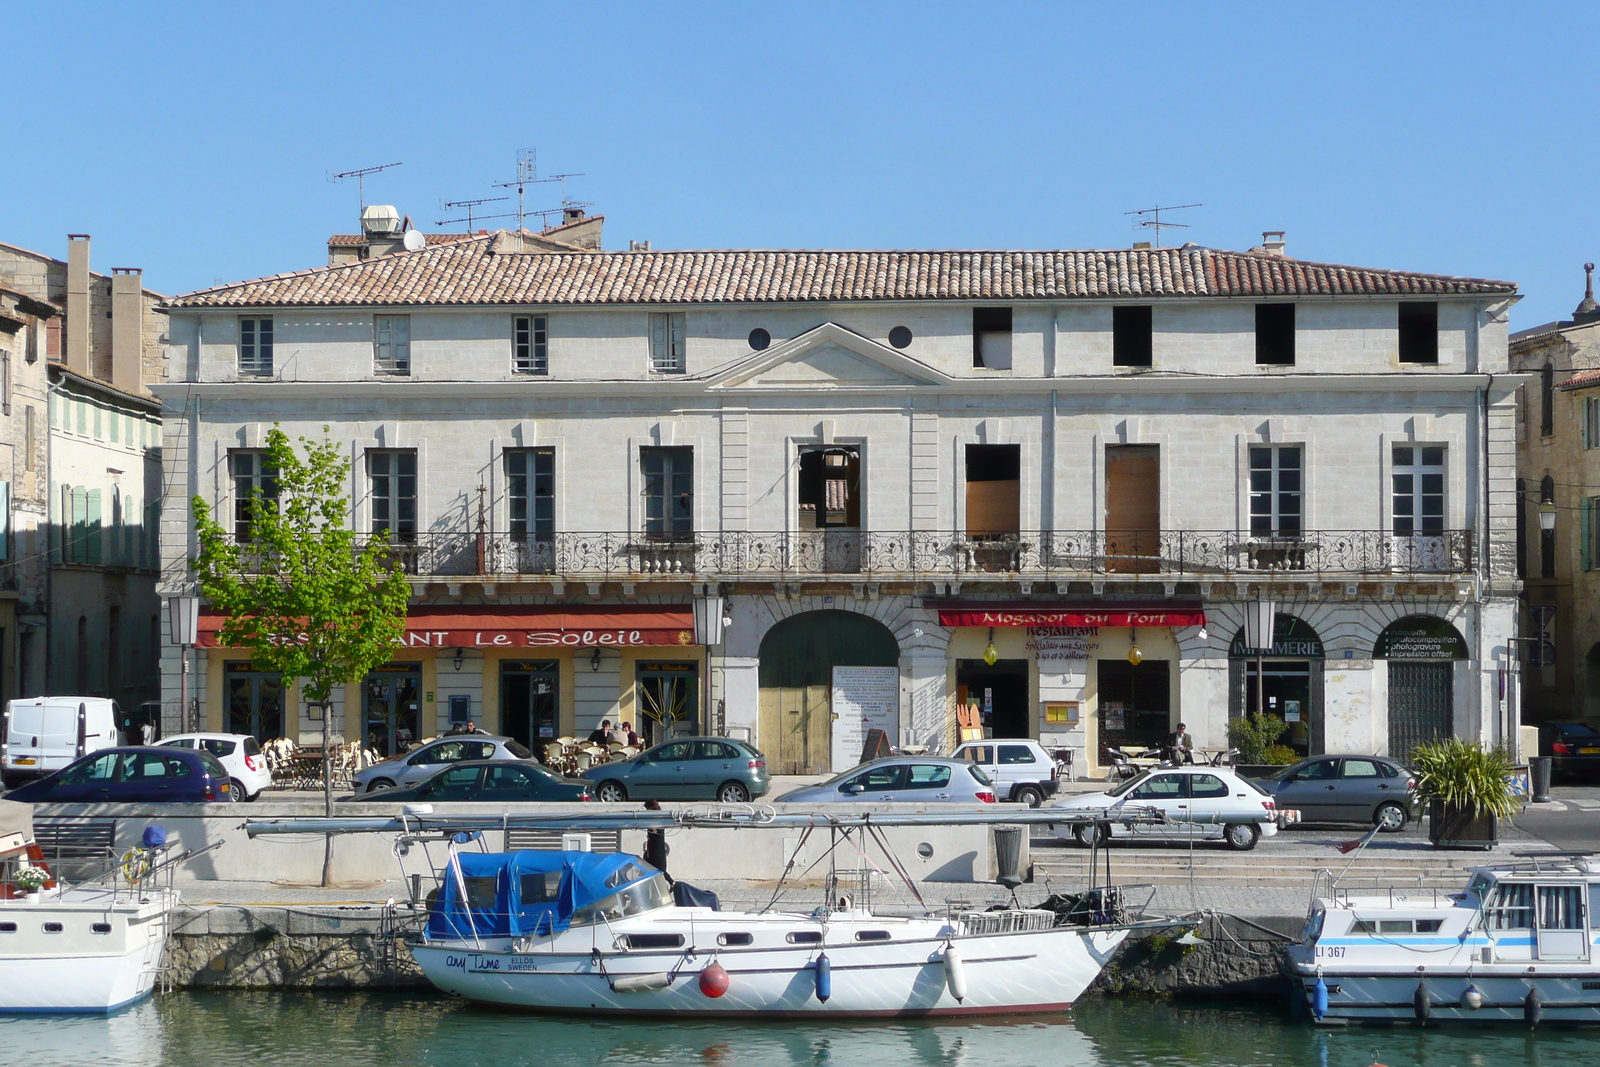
column 95, row 554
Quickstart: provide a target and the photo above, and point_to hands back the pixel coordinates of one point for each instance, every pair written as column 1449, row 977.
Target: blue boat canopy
column 519, row 894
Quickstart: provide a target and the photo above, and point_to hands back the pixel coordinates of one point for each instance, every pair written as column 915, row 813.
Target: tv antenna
column 1154, row 220
column 361, row 179
column 528, row 174
column 451, row 205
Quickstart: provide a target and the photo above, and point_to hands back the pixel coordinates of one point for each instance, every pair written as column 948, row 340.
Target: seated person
column 600, row 735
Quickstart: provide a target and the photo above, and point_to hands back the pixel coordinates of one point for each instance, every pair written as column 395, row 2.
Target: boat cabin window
column 1510, row 907
column 541, row 888
column 1396, row 926
column 731, row 940
column 8, row 928
column 805, row 937
column 655, row 940
column 623, row 875
column 1561, row 907
column 52, row 928
column 872, row 935
column 648, row 895
column 481, row 891
column 101, row 928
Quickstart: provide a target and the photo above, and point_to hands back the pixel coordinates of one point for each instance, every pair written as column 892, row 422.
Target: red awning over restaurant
column 526, row 626
column 1069, row 615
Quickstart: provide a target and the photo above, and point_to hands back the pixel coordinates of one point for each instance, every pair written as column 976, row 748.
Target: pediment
column 828, row 357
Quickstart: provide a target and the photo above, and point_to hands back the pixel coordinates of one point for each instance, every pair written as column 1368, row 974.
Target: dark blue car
column 143, row 775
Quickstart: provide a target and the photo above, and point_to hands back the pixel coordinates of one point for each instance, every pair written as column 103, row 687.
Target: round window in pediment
column 900, row 336
column 759, row 338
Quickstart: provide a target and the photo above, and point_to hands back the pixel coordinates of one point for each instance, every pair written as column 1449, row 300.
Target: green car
column 685, row 768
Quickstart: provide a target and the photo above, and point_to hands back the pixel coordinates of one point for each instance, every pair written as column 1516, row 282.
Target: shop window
column 1134, row 703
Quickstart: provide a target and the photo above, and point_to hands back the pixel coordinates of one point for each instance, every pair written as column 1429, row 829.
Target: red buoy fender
column 714, row 980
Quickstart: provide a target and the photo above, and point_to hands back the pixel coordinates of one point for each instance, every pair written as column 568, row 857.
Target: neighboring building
column 1558, row 481
column 383, row 233
column 85, row 523
column 1044, row 484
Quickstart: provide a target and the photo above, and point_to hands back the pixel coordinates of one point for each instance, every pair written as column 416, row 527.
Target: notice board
column 864, row 698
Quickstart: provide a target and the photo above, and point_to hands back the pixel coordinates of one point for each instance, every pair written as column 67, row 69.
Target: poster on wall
column 864, row 698
column 1111, row 715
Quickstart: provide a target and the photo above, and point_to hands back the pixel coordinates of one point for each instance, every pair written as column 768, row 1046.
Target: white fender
column 955, row 976
column 641, row 983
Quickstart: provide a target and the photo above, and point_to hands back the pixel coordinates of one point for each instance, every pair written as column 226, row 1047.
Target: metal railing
column 880, row 555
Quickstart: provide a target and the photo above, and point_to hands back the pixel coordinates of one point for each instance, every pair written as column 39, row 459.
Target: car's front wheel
column 1241, row 836
column 610, row 792
column 1091, row 835
column 379, row 783
column 1029, row 796
column 1390, row 818
column 733, row 793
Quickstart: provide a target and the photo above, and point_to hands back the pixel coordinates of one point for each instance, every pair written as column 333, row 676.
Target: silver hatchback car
column 426, row 760
column 907, row 779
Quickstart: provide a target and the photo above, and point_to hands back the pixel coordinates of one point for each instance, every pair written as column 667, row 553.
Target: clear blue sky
column 194, row 141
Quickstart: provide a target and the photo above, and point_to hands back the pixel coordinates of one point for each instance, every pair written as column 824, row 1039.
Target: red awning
column 524, row 626
column 1087, row 615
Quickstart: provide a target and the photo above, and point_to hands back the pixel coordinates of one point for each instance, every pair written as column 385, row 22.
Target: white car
column 1199, row 802
column 1020, row 768
column 239, row 754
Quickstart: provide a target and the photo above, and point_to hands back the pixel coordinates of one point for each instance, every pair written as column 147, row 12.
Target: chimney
column 1272, row 242
column 127, row 328
column 1588, row 310
column 78, row 304
column 1141, row 246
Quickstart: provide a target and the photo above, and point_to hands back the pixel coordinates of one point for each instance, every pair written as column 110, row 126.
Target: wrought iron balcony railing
column 1057, row 555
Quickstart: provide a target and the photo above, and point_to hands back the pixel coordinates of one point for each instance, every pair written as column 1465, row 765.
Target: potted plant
column 1256, row 738
column 30, row 880
column 1468, row 790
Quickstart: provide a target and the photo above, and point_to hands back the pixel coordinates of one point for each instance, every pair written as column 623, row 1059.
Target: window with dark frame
column 1132, row 336
column 1275, row 491
column 255, row 347
column 1418, row 490
column 530, row 492
column 530, row 345
column 392, row 487
column 668, row 491
column 1547, row 538
column 1419, row 331
column 391, row 344
column 1547, row 401
column 991, row 338
column 1275, row 335
column 254, row 478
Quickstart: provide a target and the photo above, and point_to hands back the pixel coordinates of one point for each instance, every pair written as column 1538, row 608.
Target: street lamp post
column 708, row 627
column 1259, row 619
column 183, row 619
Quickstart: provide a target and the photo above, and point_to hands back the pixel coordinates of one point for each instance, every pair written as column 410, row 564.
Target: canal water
column 340, row 1029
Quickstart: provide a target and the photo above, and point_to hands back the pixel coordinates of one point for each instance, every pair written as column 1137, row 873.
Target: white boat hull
column 1005, row 973
column 104, row 953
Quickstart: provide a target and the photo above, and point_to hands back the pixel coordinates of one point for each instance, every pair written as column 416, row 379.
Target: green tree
column 302, row 593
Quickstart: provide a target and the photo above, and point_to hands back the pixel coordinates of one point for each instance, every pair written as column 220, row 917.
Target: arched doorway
column 1421, row 650
column 800, row 661
column 1290, row 684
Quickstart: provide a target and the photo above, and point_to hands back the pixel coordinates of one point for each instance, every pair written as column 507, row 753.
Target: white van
column 41, row 735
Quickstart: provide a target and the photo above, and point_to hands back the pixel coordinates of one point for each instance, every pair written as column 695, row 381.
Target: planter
column 33, row 896
column 1450, row 826
column 1257, row 770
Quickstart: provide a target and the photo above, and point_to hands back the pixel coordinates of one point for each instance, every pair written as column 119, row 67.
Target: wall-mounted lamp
column 594, row 661
column 1135, row 656
column 461, row 657
column 991, row 655
column 1547, row 516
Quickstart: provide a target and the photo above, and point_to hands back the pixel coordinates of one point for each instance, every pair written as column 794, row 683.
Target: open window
column 830, row 487
column 994, row 493
column 1275, row 335
column 1419, row 331
column 1132, row 336
column 991, row 338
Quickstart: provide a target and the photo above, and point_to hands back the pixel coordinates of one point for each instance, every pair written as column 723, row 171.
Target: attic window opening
column 1419, row 332
column 759, row 339
column 900, row 336
column 991, row 338
column 1132, row 336
column 1275, row 335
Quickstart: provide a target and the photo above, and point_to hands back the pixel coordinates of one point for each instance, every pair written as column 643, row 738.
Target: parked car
column 239, row 754
column 41, row 735
column 687, row 768
column 424, row 761
column 1197, row 802
column 1020, row 768
column 908, row 779
column 1574, row 748
column 503, row 781
column 140, row 775
column 1365, row 789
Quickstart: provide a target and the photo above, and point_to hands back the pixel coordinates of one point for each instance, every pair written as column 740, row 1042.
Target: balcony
column 1047, row 555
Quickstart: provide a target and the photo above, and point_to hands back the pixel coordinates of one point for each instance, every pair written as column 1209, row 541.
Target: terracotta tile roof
column 1582, row 379
column 470, row 272
column 356, row 240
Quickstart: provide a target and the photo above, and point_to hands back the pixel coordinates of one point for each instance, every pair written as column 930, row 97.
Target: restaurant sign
column 1071, row 617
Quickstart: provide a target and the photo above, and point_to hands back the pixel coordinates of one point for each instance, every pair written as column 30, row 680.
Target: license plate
column 1589, row 751
column 25, row 761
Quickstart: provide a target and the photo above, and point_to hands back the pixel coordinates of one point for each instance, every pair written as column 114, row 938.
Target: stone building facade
column 1558, row 479
column 1038, row 488
column 84, row 495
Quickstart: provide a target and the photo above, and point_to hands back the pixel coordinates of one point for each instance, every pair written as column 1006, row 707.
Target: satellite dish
column 414, row 241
